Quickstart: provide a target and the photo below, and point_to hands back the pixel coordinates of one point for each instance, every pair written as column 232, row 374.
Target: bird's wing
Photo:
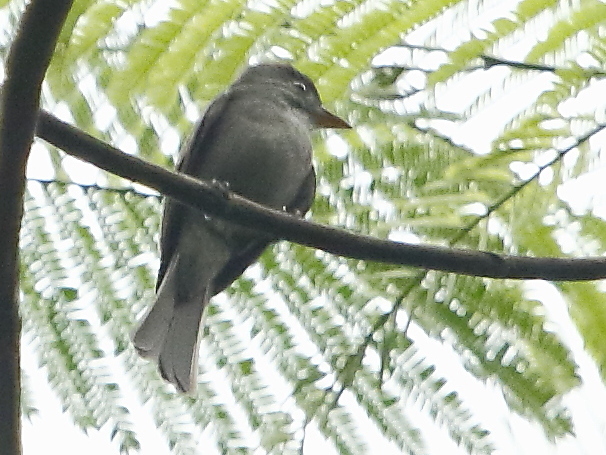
column 189, row 162
column 305, row 197
column 238, row 263
column 172, row 219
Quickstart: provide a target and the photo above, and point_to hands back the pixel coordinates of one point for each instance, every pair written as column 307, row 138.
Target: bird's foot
column 222, row 186
column 297, row 213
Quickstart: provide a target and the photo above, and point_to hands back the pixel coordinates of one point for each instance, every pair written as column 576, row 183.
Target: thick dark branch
column 28, row 60
column 215, row 201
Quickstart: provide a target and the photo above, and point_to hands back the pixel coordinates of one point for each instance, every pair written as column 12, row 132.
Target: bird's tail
column 170, row 330
column 149, row 337
column 178, row 360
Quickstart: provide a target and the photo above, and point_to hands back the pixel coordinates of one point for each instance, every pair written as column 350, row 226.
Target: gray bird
column 254, row 138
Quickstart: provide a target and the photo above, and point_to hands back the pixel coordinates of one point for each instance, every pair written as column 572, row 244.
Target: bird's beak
column 324, row 119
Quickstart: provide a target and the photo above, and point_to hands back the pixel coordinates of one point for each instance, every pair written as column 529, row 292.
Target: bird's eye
column 301, row 86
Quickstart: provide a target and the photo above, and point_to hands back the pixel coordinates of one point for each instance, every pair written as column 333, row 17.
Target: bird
column 254, row 139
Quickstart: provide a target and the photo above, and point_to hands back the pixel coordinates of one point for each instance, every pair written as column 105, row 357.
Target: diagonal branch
column 535, row 175
column 29, row 57
column 216, row 201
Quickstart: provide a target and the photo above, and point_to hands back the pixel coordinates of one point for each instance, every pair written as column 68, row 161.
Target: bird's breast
column 262, row 156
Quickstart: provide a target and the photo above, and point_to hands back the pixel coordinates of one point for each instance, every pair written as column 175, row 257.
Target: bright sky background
column 52, row 430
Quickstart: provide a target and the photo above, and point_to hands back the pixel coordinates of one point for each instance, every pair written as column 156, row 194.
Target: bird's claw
column 293, row 212
column 222, row 186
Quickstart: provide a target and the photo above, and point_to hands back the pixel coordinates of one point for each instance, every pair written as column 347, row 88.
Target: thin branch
column 490, row 60
column 216, row 201
column 517, row 188
column 29, row 57
column 86, row 187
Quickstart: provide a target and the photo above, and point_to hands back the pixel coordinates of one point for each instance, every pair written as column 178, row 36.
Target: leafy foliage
column 450, row 147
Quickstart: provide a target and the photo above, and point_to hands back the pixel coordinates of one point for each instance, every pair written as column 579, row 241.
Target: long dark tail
column 170, row 330
column 178, row 361
column 151, row 333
